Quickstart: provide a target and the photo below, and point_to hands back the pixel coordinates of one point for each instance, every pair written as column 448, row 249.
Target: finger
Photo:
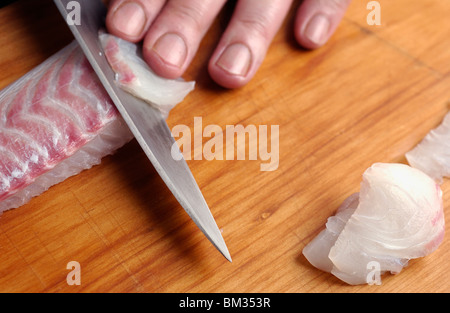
column 317, row 20
column 174, row 37
column 130, row 19
column 244, row 44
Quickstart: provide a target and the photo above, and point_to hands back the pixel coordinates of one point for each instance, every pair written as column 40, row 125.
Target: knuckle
column 335, row 5
column 189, row 13
column 256, row 23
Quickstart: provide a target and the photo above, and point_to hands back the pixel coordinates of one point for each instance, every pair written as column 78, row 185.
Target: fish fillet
column 58, row 120
column 396, row 216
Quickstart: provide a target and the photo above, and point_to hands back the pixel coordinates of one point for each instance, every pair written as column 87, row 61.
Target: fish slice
column 146, row 123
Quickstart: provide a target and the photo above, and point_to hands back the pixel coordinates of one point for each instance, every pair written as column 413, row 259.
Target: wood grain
column 367, row 96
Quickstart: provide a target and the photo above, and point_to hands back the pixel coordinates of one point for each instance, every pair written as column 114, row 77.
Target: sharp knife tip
column 227, row 255
column 220, row 245
column 215, row 237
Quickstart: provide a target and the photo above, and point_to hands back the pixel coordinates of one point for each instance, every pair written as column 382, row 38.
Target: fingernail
column 236, row 59
column 317, row 29
column 130, row 19
column 172, row 49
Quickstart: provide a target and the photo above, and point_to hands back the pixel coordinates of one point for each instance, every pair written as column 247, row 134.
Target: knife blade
column 146, row 123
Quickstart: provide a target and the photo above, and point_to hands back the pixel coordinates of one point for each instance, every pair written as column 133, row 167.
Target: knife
column 146, row 123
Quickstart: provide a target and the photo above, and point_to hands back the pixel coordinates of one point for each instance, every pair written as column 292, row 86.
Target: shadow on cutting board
column 4, row 3
column 159, row 205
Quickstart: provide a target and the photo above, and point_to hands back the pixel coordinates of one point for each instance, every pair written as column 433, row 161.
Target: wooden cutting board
column 367, row 96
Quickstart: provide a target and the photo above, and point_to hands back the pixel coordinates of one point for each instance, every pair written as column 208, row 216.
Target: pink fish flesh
column 58, row 120
column 55, row 121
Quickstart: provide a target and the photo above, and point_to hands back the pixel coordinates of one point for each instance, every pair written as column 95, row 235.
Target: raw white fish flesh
column 432, row 154
column 396, row 216
column 134, row 75
column 58, row 120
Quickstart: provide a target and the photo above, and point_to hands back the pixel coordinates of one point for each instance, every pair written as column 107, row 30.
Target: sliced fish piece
column 432, row 154
column 397, row 216
column 136, row 77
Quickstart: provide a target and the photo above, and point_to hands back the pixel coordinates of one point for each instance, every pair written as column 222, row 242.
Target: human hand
column 172, row 30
